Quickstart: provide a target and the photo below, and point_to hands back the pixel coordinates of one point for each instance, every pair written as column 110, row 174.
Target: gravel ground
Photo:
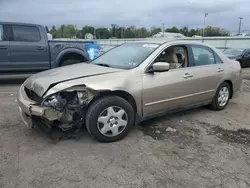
column 200, row 148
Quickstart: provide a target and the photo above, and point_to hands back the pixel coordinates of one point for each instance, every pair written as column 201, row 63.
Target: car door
column 246, row 58
column 165, row 91
column 4, row 49
column 28, row 49
column 207, row 71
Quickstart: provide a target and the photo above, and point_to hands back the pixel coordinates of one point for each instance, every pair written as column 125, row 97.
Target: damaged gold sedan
column 128, row 84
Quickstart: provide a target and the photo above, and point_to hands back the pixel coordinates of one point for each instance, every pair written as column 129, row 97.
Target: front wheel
column 109, row 119
column 221, row 97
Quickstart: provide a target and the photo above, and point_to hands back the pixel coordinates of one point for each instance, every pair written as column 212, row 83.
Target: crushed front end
column 64, row 110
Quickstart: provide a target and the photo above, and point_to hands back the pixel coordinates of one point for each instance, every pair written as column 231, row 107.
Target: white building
column 50, row 37
column 168, row 35
column 89, row 36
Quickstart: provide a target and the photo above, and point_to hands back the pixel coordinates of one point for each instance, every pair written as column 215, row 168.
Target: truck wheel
column 109, row 119
column 221, row 97
column 69, row 62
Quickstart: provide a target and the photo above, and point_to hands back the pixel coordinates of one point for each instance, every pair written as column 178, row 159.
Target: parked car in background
column 130, row 83
column 26, row 48
column 240, row 55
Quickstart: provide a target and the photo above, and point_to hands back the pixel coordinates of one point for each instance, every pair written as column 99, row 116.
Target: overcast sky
column 222, row 13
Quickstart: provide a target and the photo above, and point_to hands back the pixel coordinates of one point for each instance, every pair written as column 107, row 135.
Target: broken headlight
column 68, row 98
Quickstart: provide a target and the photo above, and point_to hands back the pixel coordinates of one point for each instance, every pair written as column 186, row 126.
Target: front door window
column 176, row 56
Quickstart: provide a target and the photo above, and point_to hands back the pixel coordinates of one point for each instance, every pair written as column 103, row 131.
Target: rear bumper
column 237, row 83
column 237, row 86
column 29, row 109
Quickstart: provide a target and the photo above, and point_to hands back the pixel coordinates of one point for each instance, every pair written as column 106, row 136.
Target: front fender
column 134, row 88
column 68, row 51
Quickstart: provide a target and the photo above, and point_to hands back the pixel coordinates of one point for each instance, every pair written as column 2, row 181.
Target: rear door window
column 202, row 55
column 26, row 33
column 217, row 59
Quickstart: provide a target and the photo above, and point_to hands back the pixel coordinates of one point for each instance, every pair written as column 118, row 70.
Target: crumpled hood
column 40, row 83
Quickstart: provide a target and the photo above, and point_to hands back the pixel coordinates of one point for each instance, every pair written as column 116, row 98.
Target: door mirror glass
column 161, row 66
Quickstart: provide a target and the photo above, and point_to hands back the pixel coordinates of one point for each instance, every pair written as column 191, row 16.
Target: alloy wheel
column 112, row 121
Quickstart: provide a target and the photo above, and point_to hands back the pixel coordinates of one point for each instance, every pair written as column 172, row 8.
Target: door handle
column 220, row 70
column 40, row 48
column 3, row 47
column 187, row 75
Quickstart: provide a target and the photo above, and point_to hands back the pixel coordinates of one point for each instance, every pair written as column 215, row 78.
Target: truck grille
column 32, row 95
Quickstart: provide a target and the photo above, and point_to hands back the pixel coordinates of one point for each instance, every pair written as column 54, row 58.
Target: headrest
column 203, row 57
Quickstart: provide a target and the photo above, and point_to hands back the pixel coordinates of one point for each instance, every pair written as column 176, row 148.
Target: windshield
column 234, row 52
column 126, row 56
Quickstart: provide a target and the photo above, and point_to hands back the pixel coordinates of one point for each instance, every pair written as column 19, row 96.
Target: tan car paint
column 153, row 93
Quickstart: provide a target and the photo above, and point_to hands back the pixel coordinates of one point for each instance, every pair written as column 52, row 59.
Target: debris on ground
column 170, row 129
column 241, row 136
column 157, row 132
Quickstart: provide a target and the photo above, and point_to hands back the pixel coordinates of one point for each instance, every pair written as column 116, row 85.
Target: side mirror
column 160, row 67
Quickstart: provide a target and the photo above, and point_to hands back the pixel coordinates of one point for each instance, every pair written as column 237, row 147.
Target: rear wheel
column 69, row 62
column 110, row 119
column 221, row 97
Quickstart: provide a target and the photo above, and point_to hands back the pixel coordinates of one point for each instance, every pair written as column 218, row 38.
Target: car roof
column 170, row 41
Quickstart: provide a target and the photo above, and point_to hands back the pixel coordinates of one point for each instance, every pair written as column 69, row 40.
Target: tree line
column 71, row 31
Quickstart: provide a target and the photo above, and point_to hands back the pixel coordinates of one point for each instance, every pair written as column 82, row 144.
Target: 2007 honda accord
column 128, row 84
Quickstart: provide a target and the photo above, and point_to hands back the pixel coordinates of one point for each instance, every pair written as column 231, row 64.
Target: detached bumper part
column 26, row 119
column 28, row 108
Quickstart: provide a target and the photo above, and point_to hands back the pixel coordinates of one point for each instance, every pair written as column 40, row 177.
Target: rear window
column 26, row 33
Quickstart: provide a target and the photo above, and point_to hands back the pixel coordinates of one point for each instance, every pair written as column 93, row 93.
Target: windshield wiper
column 103, row 64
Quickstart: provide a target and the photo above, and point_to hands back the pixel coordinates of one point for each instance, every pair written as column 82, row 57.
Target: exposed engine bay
column 65, row 110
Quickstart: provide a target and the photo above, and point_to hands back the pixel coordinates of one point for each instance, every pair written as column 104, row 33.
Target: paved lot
column 208, row 149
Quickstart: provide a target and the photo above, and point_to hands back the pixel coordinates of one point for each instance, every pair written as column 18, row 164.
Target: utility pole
column 163, row 30
column 203, row 31
column 240, row 18
column 94, row 33
column 121, row 32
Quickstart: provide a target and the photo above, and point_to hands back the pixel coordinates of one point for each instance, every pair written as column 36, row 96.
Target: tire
column 218, row 104
column 69, row 62
column 100, row 121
